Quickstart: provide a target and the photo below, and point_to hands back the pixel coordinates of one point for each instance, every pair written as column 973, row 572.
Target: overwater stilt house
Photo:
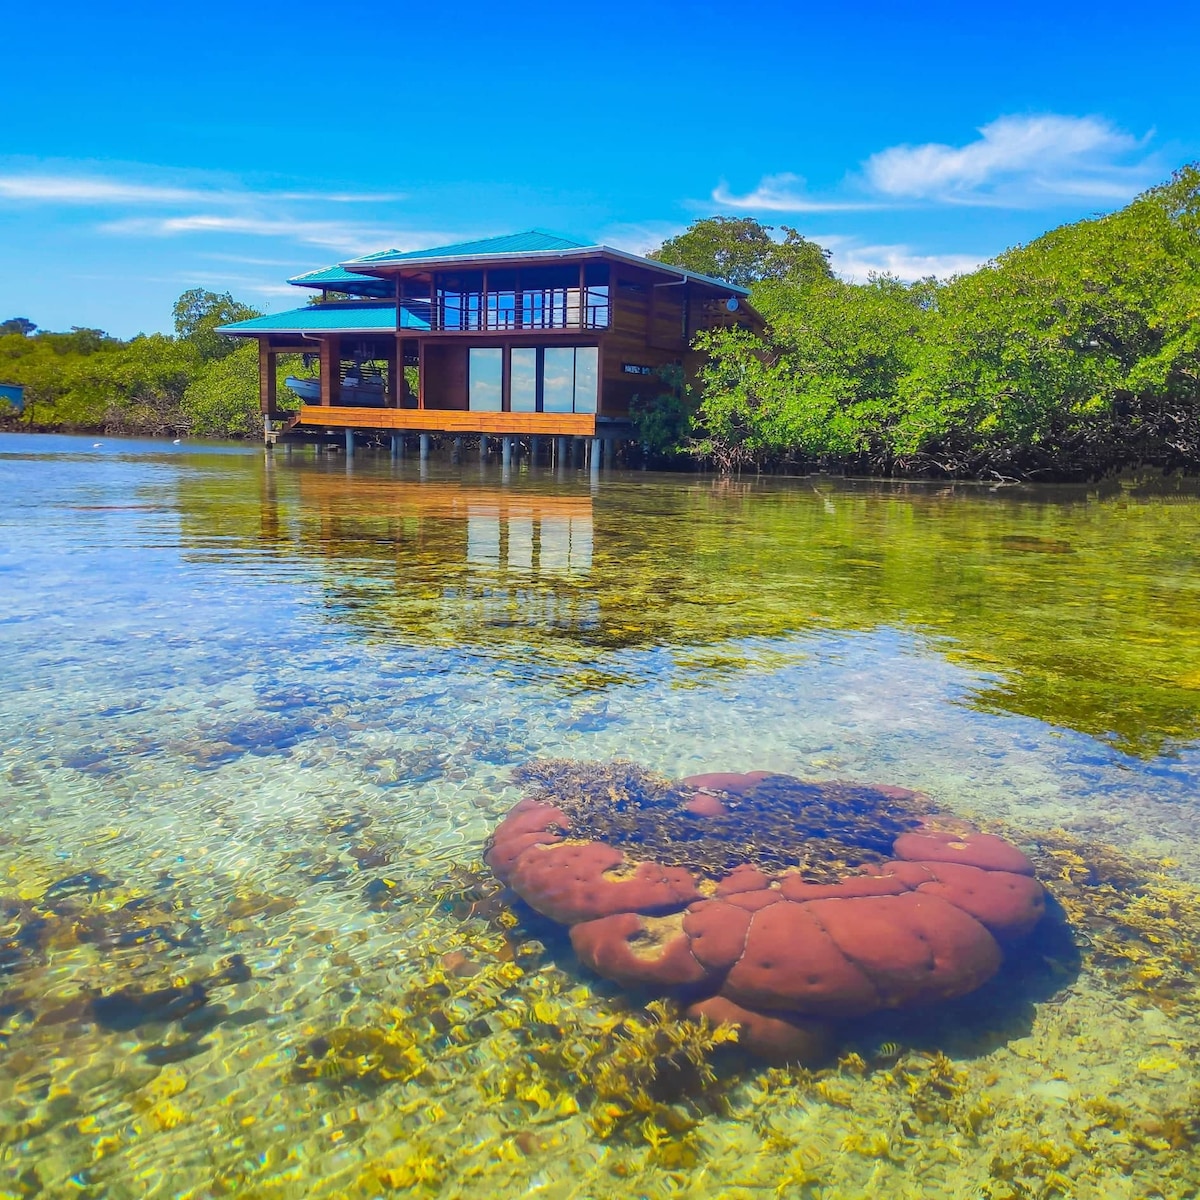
column 523, row 335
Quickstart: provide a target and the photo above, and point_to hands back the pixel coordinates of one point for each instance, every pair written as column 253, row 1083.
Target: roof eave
column 374, row 331
column 384, row 269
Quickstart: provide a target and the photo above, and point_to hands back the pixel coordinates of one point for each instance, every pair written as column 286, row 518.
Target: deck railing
column 507, row 311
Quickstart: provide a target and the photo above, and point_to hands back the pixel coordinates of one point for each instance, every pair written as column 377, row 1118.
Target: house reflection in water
column 537, row 542
column 447, row 562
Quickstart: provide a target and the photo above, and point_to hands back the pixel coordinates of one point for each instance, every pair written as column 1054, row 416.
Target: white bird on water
column 176, row 441
column 95, row 444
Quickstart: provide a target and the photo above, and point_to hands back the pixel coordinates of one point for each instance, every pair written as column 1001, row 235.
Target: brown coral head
column 770, row 902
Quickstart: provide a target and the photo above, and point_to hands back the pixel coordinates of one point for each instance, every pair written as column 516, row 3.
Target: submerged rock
column 779, row 905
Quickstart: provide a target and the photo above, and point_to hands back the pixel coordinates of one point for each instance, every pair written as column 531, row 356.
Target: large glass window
column 565, row 376
column 523, row 380
column 558, row 379
column 486, row 379
column 587, row 371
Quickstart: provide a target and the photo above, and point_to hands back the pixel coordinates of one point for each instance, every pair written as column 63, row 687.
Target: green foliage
column 222, row 400
column 1081, row 348
column 742, row 251
column 151, row 384
column 1077, row 354
column 664, row 421
column 197, row 314
column 820, row 385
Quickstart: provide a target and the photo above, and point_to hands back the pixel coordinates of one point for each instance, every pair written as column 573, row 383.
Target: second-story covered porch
column 522, row 334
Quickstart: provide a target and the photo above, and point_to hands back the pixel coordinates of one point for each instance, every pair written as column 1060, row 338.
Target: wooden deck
column 435, row 420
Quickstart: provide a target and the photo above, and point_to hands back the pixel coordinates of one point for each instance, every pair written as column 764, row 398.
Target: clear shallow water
column 241, row 693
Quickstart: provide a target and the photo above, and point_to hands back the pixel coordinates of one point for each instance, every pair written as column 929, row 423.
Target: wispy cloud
column 249, row 260
column 242, row 283
column 856, row 261
column 100, row 191
column 1017, row 161
column 334, row 235
column 1021, row 161
column 639, row 238
column 786, row 193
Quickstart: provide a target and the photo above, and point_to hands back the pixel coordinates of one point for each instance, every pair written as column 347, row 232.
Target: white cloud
column 244, row 283
column 1015, row 162
column 857, row 262
column 334, row 235
column 81, row 190
column 639, row 238
column 101, row 191
column 785, row 193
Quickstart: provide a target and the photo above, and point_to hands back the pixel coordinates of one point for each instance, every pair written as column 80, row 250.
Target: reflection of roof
column 352, row 316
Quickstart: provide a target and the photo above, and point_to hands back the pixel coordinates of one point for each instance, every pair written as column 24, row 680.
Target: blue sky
column 150, row 148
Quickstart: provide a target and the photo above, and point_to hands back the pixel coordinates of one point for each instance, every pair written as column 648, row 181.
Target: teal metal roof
column 338, row 279
column 531, row 241
column 349, row 317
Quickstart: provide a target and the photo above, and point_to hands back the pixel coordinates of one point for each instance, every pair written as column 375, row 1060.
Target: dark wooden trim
column 267, row 397
column 331, row 369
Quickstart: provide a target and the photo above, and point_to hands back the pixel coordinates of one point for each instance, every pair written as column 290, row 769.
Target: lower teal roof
column 348, row 317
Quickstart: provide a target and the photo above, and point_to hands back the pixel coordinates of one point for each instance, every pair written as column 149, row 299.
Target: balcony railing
column 506, row 311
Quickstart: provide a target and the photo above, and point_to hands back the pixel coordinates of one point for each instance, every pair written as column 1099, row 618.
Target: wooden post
column 267, row 399
column 331, row 369
column 421, row 373
column 395, row 374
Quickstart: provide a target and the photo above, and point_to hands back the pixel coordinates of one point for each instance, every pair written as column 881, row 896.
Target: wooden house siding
column 649, row 321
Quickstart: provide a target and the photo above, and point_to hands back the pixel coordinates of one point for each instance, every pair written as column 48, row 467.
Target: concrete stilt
column 456, row 450
column 506, row 452
column 595, row 463
column 560, row 452
column 424, row 446
column 535, row 448
column 397, row 445
column 610, row 453
column 483, row 447
column 349, row 443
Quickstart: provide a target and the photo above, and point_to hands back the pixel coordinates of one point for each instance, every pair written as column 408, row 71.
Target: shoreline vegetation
column 1073, row 357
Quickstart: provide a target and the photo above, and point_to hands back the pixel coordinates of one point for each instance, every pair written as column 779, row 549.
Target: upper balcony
column 574, row 297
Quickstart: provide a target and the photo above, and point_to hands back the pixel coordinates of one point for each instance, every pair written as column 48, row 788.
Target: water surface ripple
column 241, row 690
